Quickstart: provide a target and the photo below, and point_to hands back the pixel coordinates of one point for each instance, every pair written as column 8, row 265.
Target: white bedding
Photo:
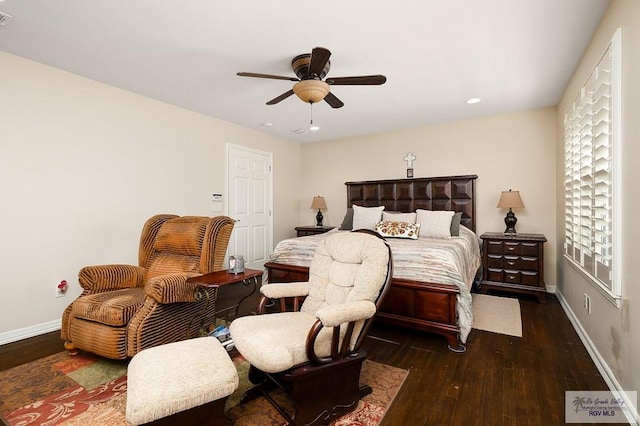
column 445, row 261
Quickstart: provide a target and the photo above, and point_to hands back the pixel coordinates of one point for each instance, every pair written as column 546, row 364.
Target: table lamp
column 510, row 200
column 318, row 203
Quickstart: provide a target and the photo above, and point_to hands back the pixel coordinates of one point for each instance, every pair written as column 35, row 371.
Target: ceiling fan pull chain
column 313, row 127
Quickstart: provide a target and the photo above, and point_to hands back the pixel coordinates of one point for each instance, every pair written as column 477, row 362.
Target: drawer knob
column 511, row 248
column 511, row 277
column 511, row 263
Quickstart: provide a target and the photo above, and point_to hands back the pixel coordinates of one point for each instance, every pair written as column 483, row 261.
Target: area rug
column 497, row 314
column 87, row 390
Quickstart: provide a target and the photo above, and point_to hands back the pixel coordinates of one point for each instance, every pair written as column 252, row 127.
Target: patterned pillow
column 392, row 229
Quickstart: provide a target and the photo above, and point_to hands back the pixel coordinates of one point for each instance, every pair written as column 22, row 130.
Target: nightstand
column 513, row 263
column 303, row 231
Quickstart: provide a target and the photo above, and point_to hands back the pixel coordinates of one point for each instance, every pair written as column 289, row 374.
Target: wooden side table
column 303, row 231
column 233, row 289
column 513, row 263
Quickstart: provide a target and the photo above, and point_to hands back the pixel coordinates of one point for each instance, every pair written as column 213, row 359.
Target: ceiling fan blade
column 319, row 58
column 282, row 97
column 277, row 77
column 332, row 100
column 357, row 81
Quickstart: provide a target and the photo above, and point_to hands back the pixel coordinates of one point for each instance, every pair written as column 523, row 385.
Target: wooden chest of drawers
column 513, row 263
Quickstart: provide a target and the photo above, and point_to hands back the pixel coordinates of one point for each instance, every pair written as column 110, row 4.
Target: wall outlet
column 587, row 303
column 61, row 289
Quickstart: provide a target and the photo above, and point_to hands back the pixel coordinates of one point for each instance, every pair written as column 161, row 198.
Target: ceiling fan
column 311, row 68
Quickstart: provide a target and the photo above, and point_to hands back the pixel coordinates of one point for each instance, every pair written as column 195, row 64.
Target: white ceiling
column 514, row 54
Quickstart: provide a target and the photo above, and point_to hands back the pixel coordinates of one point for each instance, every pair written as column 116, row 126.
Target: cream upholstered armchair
column 315, row 352
column 124, row 309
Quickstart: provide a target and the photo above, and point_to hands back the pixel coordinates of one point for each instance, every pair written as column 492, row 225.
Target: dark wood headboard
column 456, row 193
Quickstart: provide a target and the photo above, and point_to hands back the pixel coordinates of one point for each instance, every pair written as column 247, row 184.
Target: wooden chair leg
column 71, row 348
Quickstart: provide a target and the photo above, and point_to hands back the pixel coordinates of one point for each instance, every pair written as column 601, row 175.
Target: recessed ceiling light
column 299, row 131
column 473, row 100
column 4, row 17
column 267, row 124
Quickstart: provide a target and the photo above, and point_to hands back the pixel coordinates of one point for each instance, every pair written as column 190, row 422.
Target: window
column 591, row 145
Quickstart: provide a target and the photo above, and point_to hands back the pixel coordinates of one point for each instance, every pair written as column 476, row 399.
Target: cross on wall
column 409, row 159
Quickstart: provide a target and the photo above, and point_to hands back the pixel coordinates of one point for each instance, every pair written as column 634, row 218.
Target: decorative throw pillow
column 392, row 229
column 399, row 217
column 347, row 222
column 434, row 224
column 455, row 224
column 366, row 217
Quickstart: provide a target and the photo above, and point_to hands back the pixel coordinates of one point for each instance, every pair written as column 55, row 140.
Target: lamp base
column 319, row 218
column 510, row 220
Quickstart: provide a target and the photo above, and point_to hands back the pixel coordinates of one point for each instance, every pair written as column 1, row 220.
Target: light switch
column 216, row 202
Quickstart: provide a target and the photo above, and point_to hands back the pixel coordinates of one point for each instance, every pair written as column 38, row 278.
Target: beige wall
column 512, row 151
column 83, row 165
column 613, row 331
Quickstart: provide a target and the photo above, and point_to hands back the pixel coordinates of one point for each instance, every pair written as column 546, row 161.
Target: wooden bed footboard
column 422, row 306
column 412, row 304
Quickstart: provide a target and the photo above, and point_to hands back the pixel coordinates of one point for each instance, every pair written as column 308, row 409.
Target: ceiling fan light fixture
column 311, row 91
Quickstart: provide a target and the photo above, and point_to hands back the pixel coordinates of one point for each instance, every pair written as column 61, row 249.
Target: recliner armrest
column 280, row 290
column 171, row 288
column 332, row 316
column 101, row 278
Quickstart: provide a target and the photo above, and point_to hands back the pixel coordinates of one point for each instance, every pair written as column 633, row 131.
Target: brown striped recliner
column 124, row 309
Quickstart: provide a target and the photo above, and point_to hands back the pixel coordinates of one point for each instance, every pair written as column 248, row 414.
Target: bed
column 418, row 298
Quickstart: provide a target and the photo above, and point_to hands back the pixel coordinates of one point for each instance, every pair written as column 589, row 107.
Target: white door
column 249, row 185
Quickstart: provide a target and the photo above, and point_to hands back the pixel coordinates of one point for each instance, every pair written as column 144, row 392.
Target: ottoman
column 186, row 382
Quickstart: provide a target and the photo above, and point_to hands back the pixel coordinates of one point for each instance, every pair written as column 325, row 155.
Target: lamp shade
column 311, row 91
column 510, row 200
column 318, row 203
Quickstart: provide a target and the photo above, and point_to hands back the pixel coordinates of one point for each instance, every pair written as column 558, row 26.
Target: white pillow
column 434, row 224
column 366, row 217
column 399, row 217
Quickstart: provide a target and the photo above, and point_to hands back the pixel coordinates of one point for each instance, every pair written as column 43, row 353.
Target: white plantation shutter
column 591, row 127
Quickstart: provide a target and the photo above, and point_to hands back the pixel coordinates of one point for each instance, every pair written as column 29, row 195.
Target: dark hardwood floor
column 27, row 350
column 500, row 380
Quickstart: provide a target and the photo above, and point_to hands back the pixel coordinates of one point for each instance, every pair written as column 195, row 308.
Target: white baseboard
column 34, row 330
column 601, row 365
